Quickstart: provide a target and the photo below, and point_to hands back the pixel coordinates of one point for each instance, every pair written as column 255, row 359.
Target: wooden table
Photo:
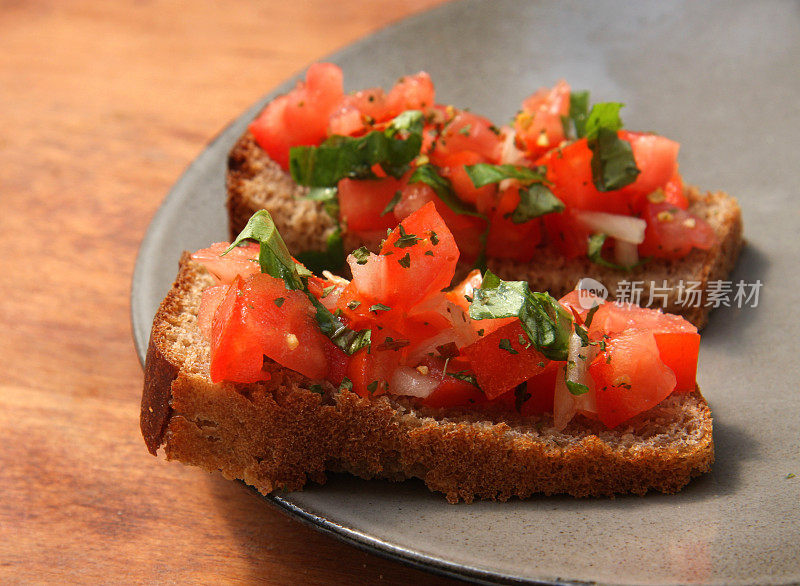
column 102, row 106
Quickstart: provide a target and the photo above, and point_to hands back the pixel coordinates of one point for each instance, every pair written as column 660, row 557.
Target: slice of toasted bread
column 256, row 182
column 279, row 434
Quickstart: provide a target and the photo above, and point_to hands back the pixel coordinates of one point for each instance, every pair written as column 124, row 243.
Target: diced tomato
column 370, row 369
column 242, row 261
column 501, row 359
column 411, row 92
column 674, row 193
column 466, row 288
column 451, row 391
column 452, row 167
column 672, row 232
column 566, row 234
column 510, row 240
column 409, row 270
column 569, row 168
column 540, row 389
column 679, row 351
column 466, row 131
column 301, row 116
column 539, row 125
column 362, row 201
column 630, row 377
column 249, row 325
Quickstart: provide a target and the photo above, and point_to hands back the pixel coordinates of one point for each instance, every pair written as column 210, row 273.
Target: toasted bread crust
column 279, row 434
column 255, row 181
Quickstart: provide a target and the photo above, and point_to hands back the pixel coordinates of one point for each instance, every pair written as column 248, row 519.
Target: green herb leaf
column 405, row 262
column 590, row 316
column 331, row 259
column 379, row 307
column 316, row 388
column 505, row 344
column 327, row 290
column 428, row 175
column 273, row 257
column 392, row 202
column 373, row 386
column 575, row 124
column 521, row 395
column 346, row 384
column 466, row 376
column 576, row 388
column 604, row 115
column 361, row 254
column 345, row 156
column 405, row 240
column 535, row 201
column 483, row 174
column 613, row 165
column 279, row 301
column 583, row 335
column 353, row 304
column 322, row 193
column 546, row 323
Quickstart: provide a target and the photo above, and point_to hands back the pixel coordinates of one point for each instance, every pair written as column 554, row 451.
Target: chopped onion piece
column 625, row 253
column 565, row 404
column 409, row 381
column 617, row 226
column 510, row 154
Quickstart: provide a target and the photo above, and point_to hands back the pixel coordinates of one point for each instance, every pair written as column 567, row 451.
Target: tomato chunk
column 362, row 201
column 672, row 232
column 501, row 359
column 539, row 125
column 251, row 323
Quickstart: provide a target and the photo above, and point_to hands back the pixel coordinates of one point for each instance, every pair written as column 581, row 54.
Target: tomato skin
column 301, row 116
column 375, row 365
column 566, row 234
column 411, row 92
column 539, row 125
column 249, row 325
column 466, row 131
column 361, row 202
column 209, row 303
column 629, row 377
column 541, row 387
column 402, row 276
column 499, row 370
column 672, row 232
column 241, row 260
column 452, row 167
column 674, row 192
column 507, row 239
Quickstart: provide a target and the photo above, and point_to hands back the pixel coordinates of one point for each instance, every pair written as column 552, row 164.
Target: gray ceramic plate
column 724, row 80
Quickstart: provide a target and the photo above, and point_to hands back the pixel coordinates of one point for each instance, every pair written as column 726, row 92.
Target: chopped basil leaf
column 590, row 316
column 483, row 174
column 361, row 254
column 322, row 193
column 575, row 124
column 583, row 335
column 273, row 257
column 466, row 376
column 346, row 384
column 534, row 201
column 316, row 388
column 353, row 304
column 345, row 156
column 327, row 290
column 392, row 202
column 505, row 344
column 604, row 115
column 405, row 262
column 480, row 331
column 521, row 395
column 279, row 301
column 428, row 253
column 392, row 344
column 576, row 388
column 428, row 175
column 594, row 250
column 465, row 129
column 379, row 307
column 613, row 165
column 405, row 240
column 546, row 323
column 434, row 238
column 373, row 386
column 331, row 259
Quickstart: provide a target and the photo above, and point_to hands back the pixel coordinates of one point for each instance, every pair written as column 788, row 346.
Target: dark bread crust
column 279, row 435
column 255, row 181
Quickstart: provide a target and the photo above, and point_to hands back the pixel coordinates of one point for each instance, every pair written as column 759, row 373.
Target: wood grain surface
column 102, row 106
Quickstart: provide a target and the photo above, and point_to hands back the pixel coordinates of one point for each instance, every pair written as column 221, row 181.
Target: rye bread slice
column 279, row 434
column 256, row 182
